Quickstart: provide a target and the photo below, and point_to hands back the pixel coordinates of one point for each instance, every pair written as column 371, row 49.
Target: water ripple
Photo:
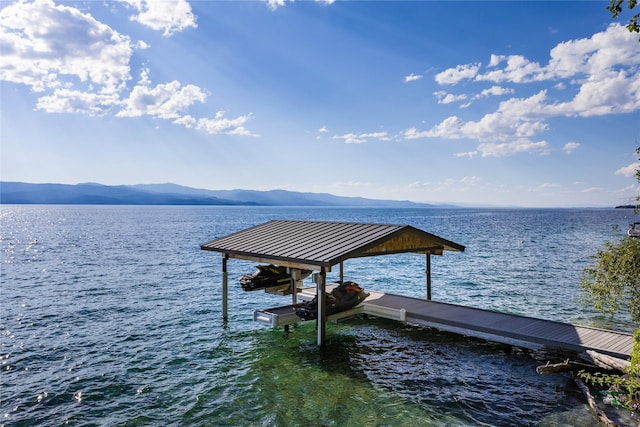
column 111, row 316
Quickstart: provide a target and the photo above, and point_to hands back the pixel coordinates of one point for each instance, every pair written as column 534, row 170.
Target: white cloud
column 570, row 147
column 604, row 68
column 353, row 138
column 612, row 94
column 514, row 119
column 323, row 129
column 495, row 60
column 457, row 74
column 169, row 17
column 448, row 98
column 469, row 154
column 511, row 148
column 518, row 69
column 593, row 59
column 219, row 124
column 166, row 101
column 170, row 101
column 383, row 136
column 48, row 46
column 274, row 4
column 412, row 77
column 597, row 56
column 82, row 66
column 77, row 102
column 350, row 138
column 629, row 170
column 494, row 91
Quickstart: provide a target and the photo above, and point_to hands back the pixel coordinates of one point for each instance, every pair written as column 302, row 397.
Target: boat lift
column 318, row 246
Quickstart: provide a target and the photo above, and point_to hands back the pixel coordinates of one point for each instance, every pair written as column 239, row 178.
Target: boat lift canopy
column 319, row 245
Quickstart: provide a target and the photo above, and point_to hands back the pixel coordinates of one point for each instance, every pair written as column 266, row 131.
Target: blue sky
column 500, row 103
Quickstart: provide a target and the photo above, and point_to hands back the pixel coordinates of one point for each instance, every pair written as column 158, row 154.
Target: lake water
column 111, row 315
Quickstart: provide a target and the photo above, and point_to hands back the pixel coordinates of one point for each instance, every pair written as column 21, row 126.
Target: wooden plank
column 497, row 326
column 623, row 346
column 615, row 341
column 604, row 340
column 588, row 335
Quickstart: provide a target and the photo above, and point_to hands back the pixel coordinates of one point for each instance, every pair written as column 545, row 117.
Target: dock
column 318, row 246
column 522, row 331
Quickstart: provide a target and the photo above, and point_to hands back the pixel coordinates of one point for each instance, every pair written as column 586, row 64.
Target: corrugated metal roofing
column 324, row 244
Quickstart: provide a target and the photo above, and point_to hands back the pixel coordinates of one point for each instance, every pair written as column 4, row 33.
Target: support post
column 429, row 276
column 295, row 276
column 341, row 272
column 322, row 306
column 225, row 287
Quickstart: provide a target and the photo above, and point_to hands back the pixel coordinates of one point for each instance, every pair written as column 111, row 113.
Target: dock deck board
column 497, row 326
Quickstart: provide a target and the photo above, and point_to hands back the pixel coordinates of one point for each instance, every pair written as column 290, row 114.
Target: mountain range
column 173, row 194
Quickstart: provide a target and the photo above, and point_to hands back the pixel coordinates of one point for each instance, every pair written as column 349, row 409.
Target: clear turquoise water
column 111, row 315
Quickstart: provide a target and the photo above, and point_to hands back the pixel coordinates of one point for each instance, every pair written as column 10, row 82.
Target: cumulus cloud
column 78, row 102
column 602, row 69
column 169, row 17
column 274, row 4
column 412, row 77
column 469, row 154
column 511, row 148
column 516, row 69
column 220, row 124
column 570, row 147
column 456, row 75
column 171, row 101
column 165, row 101
column 353, row 138
column 448, row 98
column 629, row 170
column 82, row 66
column 47, row 46
column 494, row 91
column 514, row 119
column 592, row 59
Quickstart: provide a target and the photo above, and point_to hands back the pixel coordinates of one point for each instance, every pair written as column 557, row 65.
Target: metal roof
column 317, row 244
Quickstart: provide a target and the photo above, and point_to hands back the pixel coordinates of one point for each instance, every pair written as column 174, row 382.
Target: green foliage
column 625, row 389
column 615, row 278
column 615, row 7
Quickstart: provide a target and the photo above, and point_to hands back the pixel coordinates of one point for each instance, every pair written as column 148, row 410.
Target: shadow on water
column 375, row 372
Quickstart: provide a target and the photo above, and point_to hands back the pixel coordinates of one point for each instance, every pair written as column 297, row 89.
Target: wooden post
column 322, row 307
column 428, row 276
column 341, row 272
column 225, row 287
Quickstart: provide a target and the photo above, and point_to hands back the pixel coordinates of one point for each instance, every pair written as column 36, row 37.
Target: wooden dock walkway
column 495, row 326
